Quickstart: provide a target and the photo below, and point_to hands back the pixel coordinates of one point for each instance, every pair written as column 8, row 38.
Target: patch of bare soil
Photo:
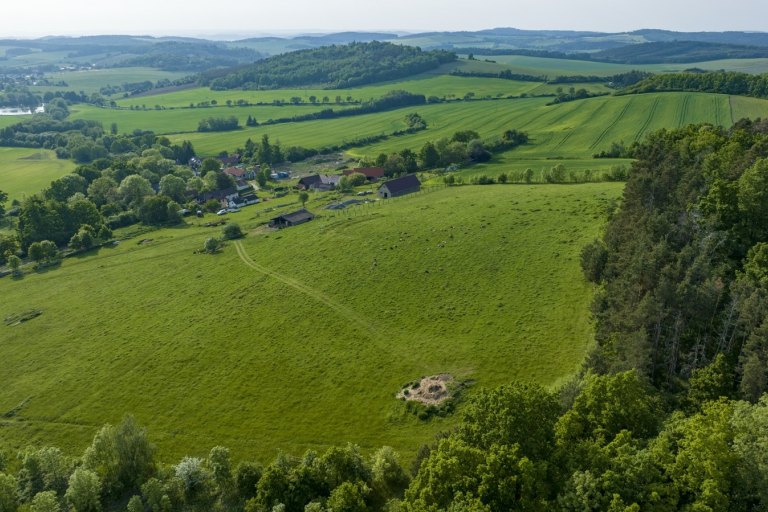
column 432, row 390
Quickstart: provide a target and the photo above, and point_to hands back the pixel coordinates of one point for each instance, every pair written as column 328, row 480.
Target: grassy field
column 27, row 171
column 183, row 120
column 442, row 86
column 299, row 344
column 94, row 79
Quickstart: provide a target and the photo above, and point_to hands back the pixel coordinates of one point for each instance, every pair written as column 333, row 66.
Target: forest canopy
column 331, row 67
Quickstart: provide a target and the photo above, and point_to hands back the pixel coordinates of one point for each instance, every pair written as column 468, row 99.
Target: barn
column 400, row 186
column 292, row 219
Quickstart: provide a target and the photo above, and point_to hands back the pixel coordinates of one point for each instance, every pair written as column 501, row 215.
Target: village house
column 400, row 186
column 319, row 182
column 240, row 174
column 291, row 219
column 230, row 160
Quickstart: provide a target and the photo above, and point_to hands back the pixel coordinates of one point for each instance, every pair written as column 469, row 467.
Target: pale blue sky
column 241, row 18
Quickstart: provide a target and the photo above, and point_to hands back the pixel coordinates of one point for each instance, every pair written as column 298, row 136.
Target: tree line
column 599, row 442
column 721, row 82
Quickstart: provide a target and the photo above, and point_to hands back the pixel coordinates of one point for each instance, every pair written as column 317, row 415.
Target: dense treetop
column 331, row 66
column 683, row 263
column 721, row 82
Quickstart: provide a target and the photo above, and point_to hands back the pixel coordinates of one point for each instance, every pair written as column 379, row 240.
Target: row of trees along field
column 721, row 82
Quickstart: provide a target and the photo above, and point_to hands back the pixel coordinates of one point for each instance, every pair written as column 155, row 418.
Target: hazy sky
column 238, row 18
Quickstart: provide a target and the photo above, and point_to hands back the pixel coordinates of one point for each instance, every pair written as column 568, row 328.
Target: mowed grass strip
column 480, row 282
column 25, row 171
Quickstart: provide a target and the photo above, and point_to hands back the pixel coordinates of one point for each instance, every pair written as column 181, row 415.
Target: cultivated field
column 441, row 86
column 301, row 338
column 575, row 129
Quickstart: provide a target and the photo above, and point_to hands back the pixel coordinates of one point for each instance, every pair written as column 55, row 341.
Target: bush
column 212, row 245
column 232, row 231
column 122, row 219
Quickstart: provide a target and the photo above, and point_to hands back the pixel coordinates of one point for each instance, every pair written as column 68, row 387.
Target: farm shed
column 292, row 219
column 400, row 186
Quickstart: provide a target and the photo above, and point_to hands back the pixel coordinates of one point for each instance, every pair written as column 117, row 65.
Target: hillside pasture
column 300, row 344
column 24, row 171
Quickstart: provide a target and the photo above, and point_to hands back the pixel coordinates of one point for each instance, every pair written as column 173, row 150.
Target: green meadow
column 300, row 338
column 91, row 80
column 27, row 171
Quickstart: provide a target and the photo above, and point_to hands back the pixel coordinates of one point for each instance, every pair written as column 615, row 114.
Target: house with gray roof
column 400, row 186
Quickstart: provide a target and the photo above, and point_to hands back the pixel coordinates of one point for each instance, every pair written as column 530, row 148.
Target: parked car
column 223, row 211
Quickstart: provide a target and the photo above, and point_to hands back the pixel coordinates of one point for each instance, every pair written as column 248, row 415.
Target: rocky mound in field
column 432, row 390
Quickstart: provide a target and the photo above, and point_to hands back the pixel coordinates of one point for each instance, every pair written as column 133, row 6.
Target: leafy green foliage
column 218, row 124
column 684, row 255
column 722, row 82
column 232, row 231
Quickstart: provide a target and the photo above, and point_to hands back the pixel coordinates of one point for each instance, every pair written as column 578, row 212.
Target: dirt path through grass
column 344, row 311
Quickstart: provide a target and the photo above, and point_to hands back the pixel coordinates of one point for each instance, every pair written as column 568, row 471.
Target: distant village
column 245, row 191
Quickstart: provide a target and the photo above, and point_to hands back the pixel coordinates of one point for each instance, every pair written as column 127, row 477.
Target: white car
column 222, row 211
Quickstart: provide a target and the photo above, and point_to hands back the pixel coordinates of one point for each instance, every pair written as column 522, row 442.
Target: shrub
column 232, row 231
column 212, row 245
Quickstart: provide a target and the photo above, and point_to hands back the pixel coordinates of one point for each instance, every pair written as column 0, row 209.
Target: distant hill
column 739, row 38
column 331, row 67
column 678, row 52
column 193, row 55
column 166, row 53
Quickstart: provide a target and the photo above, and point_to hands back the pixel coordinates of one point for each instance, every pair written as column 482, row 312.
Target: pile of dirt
column 432, row 390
